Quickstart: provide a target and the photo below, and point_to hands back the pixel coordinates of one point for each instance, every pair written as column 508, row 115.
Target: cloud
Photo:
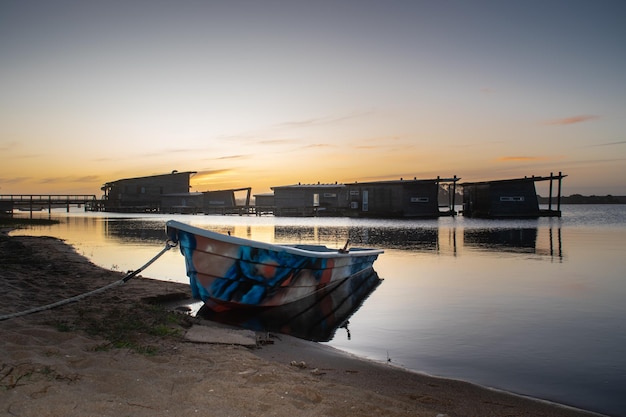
column 87, row 178
column 70, row 179
column 233, row 157
column 276, row 141
column 309, row 146
column 210, row 172
column 183, row 150
column 322, row 120
column 519, row 158
column 4, row 147
column 317, row 145
column 208, row 176
column 154, row 154
column 15, row 180
column 621, row 142
column 583, row 162
column 570, row 120
column 52, row 180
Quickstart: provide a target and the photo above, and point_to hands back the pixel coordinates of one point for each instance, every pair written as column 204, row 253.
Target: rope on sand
column 128, row 277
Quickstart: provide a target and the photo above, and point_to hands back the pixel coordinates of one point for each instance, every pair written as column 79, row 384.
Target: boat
column 315, row 318
column 228, row 272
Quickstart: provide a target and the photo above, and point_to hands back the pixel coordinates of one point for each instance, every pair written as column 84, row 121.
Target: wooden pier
column 39, row 202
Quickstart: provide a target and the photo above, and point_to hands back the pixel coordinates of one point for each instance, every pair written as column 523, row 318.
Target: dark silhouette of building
column 513, row 198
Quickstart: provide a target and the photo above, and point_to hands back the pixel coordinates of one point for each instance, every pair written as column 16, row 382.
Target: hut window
column 516, row 198
column 330, row 195
column 354, row 192
column 420, row 199
column 354, row 204
column 316, row 200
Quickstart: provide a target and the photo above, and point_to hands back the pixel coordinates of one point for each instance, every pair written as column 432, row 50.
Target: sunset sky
column 266, row 93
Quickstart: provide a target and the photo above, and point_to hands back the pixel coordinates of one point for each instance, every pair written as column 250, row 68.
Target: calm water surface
column 534, row 307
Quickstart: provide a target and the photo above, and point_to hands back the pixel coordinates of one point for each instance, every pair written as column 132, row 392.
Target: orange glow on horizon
column 261, row 97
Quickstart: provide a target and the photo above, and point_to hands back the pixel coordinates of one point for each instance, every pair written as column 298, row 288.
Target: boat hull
column 228, row 272
column 315, row 318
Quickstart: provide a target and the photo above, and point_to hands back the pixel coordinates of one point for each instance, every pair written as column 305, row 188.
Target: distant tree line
column 586, row 199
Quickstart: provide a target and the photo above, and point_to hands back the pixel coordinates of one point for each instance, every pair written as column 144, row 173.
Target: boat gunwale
column 355, row 252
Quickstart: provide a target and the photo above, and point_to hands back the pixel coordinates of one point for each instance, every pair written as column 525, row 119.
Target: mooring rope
column 168, row 245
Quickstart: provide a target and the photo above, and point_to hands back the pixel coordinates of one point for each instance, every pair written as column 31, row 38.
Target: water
column 534, row 307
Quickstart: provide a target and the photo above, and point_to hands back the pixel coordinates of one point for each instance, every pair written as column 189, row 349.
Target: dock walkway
column 39, row 202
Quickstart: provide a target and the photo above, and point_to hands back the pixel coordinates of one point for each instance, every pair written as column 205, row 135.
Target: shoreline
column 53, row 363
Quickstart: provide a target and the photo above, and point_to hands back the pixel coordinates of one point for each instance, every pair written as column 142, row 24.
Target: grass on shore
column 141, row 327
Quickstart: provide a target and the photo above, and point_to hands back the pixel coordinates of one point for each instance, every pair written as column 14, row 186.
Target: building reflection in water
column 529, row 240
column 523, row 240
column 544, row 241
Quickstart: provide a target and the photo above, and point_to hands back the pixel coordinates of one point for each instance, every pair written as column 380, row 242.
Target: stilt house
column 302, row 200
column 148, row 194
column 379, row 199
column 225, row 202
column 396, row 199
column 512, row 198
column 264, row 203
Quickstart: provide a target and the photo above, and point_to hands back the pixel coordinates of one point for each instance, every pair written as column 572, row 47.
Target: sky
column 269, row 93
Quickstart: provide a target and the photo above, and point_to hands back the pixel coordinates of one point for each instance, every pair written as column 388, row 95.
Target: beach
column 121, row 352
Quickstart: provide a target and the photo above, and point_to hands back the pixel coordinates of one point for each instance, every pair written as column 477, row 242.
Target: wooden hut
column 512, row 198
column 309, row 199
column 397, row 199
column 264, row 203
column 377, row 199
column 225, row 202
column 145, row 194
column 183, row 203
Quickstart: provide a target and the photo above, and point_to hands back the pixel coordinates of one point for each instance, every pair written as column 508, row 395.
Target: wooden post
column 550, row 197
column 558, row 199
column 454, row 195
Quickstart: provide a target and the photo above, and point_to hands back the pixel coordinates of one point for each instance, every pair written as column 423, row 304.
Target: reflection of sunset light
column 454, row 288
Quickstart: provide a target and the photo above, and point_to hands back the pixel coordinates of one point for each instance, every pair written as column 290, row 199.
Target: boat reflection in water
column 315, row 318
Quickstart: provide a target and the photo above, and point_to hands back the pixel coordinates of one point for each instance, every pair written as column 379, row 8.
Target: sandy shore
column 120, row 354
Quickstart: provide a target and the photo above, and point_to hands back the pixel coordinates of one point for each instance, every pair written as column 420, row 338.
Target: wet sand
column 120, row 353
